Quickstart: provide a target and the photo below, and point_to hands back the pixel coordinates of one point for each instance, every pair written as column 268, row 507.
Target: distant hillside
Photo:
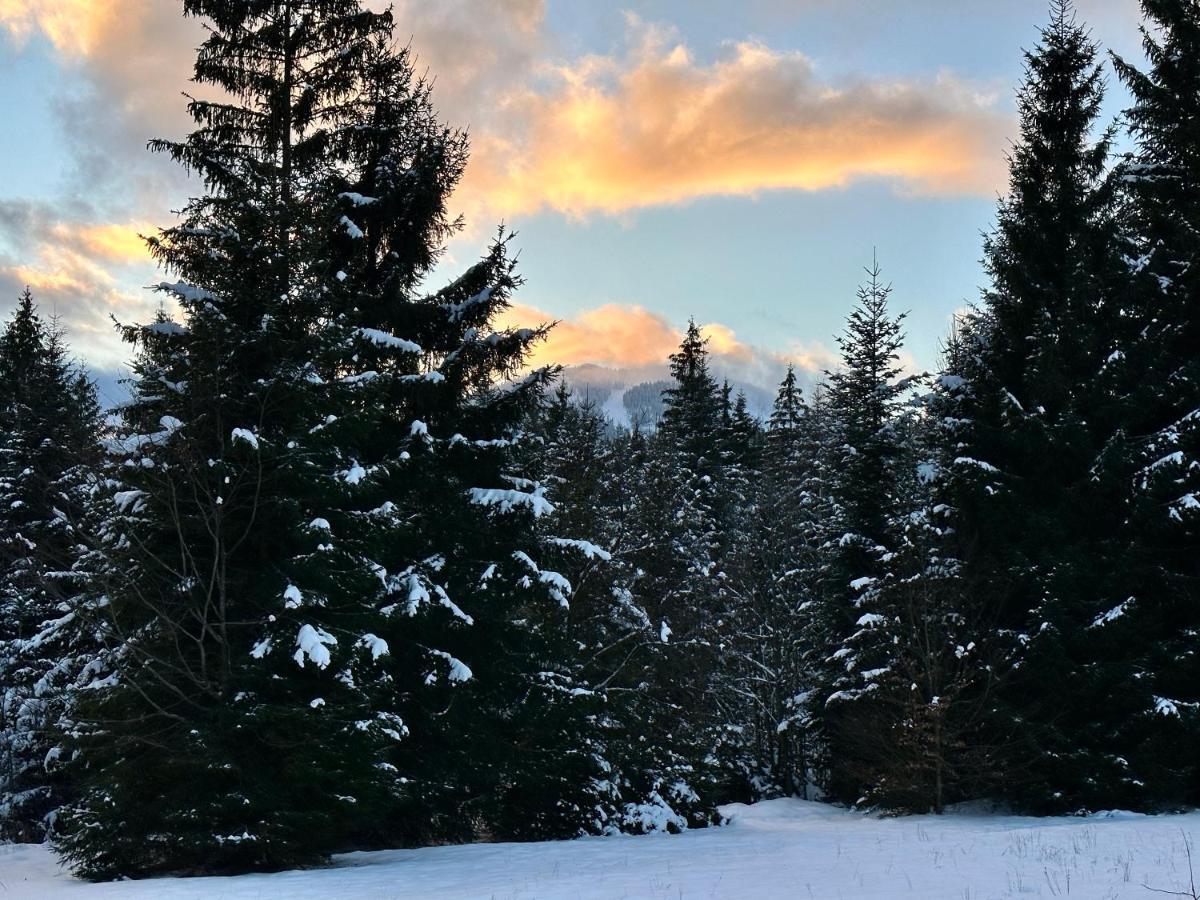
column 627, row 396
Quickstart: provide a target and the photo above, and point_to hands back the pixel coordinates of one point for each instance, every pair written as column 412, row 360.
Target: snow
column 508, row 500
column 781, row 848
column 292, row 597
column 459, row 671
column 376, row 645
column 357, row 199
column 314, row 643
column 560, row 587
column 587, row 548
column 383, row 339
column 188, row 293
column 952, row 383
column 977, row 463
column 457, row 310
column 130, row 501
column 167, row 328
column 1113, row 614
column 246, row 436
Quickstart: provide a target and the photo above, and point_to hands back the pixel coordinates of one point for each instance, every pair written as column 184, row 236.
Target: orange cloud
column 610, row 335
column 657, row 127
column 75, row 27
column 597, row 134
column 81, row 271
column 113, row 243
column 631, row 337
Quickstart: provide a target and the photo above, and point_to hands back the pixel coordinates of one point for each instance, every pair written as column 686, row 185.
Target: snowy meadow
column 775, row 849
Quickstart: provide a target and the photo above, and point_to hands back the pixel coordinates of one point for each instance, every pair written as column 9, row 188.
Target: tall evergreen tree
column 861, row 452
column 1026, row 415
column 49, row 422
column 774, row 560
column 675, row 555
column 1157, row 453
column 620, row 655
column 322, row 568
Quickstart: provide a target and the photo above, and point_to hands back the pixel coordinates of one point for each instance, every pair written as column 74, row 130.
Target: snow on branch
column 314, row 643
column 188, row 293
column 587, row 548
column 383, row 339
column 458, row 310
column 507, row 501
column 246, row 436
column 459, row 670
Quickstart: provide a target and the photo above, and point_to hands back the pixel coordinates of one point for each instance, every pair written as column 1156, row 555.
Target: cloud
column 636, row 340
column 129, row 61
column 73, row 26
column 595, row 134
column 476, row 50
column 656, row 126
column 84, row 272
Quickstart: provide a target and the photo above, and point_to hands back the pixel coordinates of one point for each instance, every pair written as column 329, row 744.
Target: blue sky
column 661, row 159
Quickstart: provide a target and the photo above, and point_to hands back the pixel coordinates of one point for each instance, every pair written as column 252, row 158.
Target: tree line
column 345, row 573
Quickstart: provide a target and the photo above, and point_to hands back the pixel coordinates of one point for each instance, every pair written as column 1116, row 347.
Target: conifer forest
column 343, row 571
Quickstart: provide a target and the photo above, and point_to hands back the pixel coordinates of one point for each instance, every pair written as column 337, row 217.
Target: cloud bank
column 635, row 340
column 646, row 125
column 655, row 126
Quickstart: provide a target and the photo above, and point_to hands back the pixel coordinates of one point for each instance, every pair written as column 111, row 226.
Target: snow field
column 778, row 849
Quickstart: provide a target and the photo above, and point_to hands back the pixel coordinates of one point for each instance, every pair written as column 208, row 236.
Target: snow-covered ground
column 780, row 849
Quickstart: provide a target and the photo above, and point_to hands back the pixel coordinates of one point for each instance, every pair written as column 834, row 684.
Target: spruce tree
column 1157, row 451
column 49, row 420
column 619, row 652
column 674, row 553
column 321, row 570
column 1025, row 416
column 771, row 575
column 862, row 452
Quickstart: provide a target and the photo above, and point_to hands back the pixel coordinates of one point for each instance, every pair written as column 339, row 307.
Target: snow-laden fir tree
column 862, row 449
column 771, row 574
column 320, row 569
column 49, row 425
column 588, row 470
column 674, row 553
column 1159, row 617
column 1025, row 413
column 926, row 636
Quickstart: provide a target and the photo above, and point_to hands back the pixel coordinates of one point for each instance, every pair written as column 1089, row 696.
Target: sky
column 735, row 163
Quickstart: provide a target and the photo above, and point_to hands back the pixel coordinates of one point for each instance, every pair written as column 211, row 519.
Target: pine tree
column 683, row 539
column 926, row 635
column 49, row 419
column 675, row 554
column 620, row 653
